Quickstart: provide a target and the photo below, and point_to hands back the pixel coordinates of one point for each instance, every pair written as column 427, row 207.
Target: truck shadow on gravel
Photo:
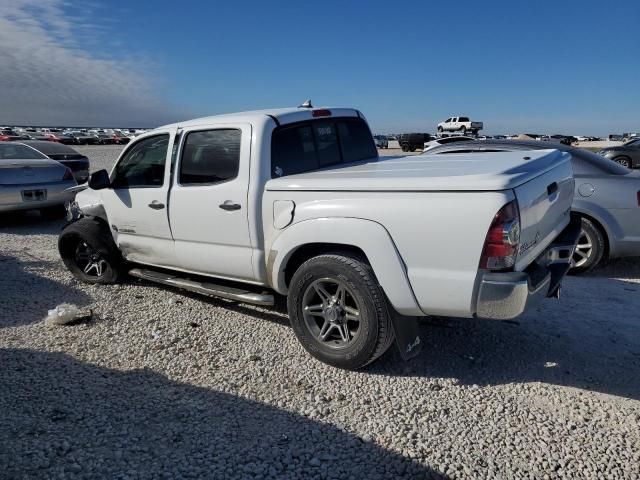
column 61, row 417
column 29, row 223
column 25, row 296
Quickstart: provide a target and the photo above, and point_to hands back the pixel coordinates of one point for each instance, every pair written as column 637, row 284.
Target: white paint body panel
column 142, row 233
column 208, row 239
column 451, row 172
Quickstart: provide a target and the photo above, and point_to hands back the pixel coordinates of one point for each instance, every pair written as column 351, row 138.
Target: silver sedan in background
column 607, row 198
column 30, row 180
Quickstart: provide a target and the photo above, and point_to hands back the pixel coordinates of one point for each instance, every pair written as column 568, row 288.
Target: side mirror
column 99, row 180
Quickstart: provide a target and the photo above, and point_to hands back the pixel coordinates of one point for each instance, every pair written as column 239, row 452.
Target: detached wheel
column 339, row 312
column 89, row 252
column 590, row 248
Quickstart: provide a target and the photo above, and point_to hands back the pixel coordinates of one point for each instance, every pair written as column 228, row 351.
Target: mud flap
column 407, row 332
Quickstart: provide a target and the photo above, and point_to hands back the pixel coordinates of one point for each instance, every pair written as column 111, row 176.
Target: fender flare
column 371, row 237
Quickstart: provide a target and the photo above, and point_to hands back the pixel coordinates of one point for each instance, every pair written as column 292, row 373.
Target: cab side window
column 210, row 156
column 143, row 165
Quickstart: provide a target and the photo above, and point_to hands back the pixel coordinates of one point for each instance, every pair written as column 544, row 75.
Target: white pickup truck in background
column 297, row 202
column 460, row 125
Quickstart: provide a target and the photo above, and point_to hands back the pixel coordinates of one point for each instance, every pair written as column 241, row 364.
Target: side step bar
column 222, row 291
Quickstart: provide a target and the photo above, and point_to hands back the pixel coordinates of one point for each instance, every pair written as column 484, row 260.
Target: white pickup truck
column 297, row 202
column 463, row 125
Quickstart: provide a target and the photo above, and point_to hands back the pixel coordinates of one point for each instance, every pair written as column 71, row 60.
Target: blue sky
column 546, row 66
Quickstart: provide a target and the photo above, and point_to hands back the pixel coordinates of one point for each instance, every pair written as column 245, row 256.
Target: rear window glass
column 586, row 163
column 15, row 151
column 308, row 146
column 52, row 147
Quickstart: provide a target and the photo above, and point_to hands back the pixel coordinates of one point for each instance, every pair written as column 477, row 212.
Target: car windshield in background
column 315, row 144
column 15, row 151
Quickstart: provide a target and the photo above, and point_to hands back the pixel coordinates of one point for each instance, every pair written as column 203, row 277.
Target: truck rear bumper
column 506, row 295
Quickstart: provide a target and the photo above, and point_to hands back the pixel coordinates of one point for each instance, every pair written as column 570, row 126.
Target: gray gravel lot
column 165, row 384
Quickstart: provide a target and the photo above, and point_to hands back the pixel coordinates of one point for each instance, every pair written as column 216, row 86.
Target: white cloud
column 48, row 75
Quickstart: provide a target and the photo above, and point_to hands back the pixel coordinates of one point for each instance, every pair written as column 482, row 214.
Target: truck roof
column 281, row 115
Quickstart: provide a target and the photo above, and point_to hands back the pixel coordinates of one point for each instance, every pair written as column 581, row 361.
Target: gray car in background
column 607, row 198
column 627, row 155
column 30, row 180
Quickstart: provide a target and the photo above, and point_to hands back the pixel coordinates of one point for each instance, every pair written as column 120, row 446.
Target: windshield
column 308, row 146
column 16, row 151
column 633, row 143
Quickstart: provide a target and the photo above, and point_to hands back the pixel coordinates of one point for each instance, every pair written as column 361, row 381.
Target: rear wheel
column 89, row 252
column 624, row 161
column 463, row 130
column 590, row 249
column 405, row 147
column 339, row 312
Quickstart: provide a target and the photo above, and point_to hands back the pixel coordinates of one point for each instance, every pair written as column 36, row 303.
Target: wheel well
column 310, row 250
column 599, row 226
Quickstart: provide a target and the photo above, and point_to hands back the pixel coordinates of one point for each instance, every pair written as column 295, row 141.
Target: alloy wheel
column 89, row 260
column 584, row 250
column 331, row 312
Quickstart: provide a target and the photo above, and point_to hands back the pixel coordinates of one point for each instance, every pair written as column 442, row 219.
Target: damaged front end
column 88, row 203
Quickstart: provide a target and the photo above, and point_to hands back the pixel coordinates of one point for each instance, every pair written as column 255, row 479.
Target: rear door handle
column 228, row 206
column 156, row 205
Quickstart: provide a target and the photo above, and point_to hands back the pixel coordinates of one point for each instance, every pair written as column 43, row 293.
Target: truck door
column 136, row 201
column 208, row 208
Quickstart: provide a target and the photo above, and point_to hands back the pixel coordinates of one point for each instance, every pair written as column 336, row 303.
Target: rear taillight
column 68, row 175
column 501, row 246
column 639, row 199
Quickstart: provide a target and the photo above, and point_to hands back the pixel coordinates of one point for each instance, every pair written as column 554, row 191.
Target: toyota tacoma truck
column 462, row 125
column 296, row 202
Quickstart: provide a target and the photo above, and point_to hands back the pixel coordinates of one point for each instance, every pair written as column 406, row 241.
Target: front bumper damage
column 506, row 295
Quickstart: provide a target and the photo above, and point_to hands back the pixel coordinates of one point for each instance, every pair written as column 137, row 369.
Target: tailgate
column 476, row 125
column 545, row 206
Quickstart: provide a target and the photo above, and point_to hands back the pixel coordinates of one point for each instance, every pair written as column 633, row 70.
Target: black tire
column 440, row 129
column 53, row 213
column 91, row 239
column 463, row 130
column 405, row 147
column 624, row 161
column 374, row 333
column 591, row 235
column 412, row 149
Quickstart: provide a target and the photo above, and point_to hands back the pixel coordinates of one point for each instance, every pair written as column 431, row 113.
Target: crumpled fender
column 371, row 237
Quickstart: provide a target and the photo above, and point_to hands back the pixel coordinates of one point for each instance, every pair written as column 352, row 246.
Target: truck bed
column 490, row 171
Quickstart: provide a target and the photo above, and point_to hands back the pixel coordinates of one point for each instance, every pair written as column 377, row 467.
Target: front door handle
column 228, row 206
column 156, row 205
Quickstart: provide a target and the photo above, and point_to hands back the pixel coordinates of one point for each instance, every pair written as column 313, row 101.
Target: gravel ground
column 163, row 384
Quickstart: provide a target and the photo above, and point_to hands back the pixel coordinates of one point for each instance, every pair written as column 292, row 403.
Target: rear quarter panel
column 439, row 235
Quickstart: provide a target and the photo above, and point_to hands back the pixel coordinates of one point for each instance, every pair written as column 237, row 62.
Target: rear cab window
column 315, row 144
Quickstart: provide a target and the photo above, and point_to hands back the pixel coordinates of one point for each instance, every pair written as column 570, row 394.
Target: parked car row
column 70, row 136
